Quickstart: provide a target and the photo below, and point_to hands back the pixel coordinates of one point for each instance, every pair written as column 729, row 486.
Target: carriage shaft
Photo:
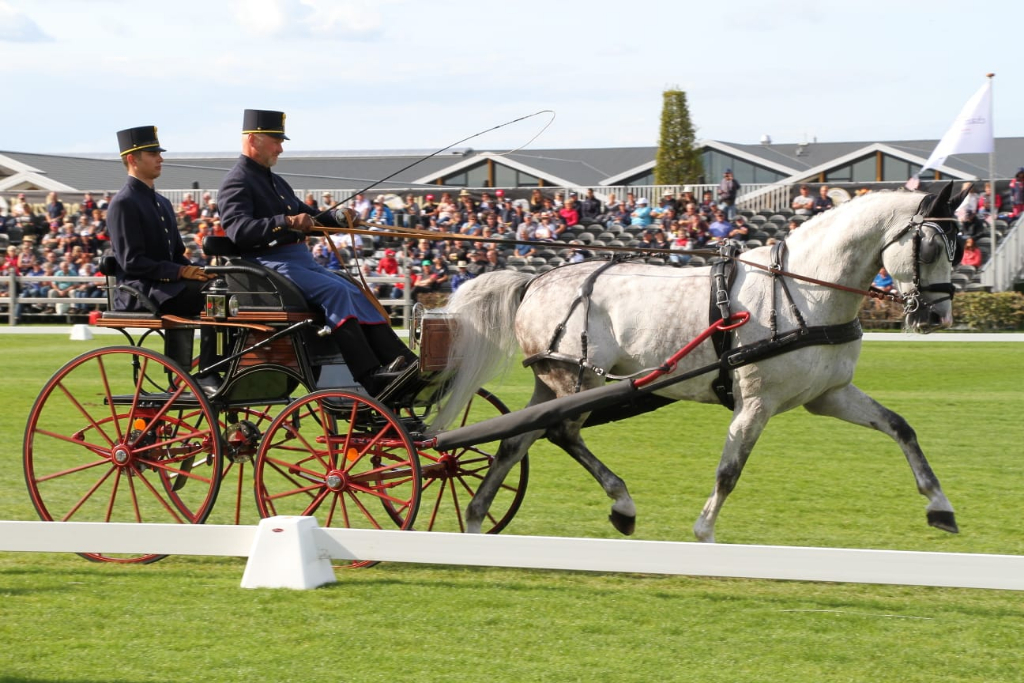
column 556, row 410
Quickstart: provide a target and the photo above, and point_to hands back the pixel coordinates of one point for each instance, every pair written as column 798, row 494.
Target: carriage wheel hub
column 336, row 480
column 449, row 466
column 121, row 455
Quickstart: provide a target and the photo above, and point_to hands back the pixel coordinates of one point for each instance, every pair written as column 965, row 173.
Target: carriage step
column 368, row 418
column 154, row 400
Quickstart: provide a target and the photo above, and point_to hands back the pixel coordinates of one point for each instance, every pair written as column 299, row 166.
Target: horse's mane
column 814, row 226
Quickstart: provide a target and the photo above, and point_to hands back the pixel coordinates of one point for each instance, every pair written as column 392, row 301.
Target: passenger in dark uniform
column 149, row 251
column 269, row 224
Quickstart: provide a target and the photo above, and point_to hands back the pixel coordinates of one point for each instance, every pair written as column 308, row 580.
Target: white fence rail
column 293, row 552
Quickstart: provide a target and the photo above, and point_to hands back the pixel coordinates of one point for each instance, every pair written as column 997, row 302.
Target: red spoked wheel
column 451, row 478
column 339, row 456
column 122, row 434
column 241, row 430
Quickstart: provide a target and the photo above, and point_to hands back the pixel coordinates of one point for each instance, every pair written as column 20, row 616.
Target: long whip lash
column 458, row 142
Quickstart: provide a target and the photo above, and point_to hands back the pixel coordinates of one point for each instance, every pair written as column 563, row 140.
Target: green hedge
column 989, row 311
column 978, row 311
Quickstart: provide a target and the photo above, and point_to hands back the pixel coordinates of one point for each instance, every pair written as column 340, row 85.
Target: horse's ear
column 937, row 206
column 956, row 201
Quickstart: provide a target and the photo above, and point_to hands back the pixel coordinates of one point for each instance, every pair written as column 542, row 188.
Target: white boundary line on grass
column 293, row 552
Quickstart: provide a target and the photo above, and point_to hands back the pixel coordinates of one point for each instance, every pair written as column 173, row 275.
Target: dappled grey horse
column 637, row 315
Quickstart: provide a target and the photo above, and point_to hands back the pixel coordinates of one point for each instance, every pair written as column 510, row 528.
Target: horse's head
column 920, row 259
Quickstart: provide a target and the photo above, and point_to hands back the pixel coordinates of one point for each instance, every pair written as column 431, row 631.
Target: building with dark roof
column 766, row 163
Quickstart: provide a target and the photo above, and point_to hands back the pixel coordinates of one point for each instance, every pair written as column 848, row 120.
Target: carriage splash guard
column 432, row 333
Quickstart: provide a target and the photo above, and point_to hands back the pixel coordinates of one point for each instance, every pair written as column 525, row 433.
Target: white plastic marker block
column 284, row 555
column 81, row 333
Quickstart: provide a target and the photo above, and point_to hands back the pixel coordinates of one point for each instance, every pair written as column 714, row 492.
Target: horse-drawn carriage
column 125, row 433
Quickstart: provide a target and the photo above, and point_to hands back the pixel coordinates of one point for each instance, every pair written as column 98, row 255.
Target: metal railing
column 1001, row 271
column 754, row 197
column 14, row 300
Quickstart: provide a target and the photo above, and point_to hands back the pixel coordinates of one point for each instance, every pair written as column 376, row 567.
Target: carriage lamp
column 233, row 306
column 217, row 300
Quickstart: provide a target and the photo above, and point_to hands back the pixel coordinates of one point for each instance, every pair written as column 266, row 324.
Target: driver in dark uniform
column 269, row 225
column 149, row 251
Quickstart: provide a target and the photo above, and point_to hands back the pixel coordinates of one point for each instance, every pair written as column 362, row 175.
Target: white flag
column 971, row 132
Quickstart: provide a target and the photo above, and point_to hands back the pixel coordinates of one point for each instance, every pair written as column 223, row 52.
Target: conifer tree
column 677, row 160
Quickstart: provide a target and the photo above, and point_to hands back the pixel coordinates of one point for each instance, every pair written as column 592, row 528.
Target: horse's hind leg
column 744, row 431
column 852, row 405
column 566, row 435
column 510, row 451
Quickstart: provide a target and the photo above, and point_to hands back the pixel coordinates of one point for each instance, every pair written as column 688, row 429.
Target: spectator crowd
column 55, row 241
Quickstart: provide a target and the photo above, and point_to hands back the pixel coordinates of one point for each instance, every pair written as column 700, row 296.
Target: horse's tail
column 484, row 342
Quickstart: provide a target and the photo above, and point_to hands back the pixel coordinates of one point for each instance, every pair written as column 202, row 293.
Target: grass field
column 811, row 481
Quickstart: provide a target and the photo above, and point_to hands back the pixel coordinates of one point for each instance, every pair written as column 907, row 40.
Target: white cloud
column 344, row 19
column 17, row 27
column 263, row 17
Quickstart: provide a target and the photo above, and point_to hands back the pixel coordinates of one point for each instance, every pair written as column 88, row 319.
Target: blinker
column 930, row 248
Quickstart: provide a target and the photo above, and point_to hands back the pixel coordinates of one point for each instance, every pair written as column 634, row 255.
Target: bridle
column 926, row 253
column 913, row 300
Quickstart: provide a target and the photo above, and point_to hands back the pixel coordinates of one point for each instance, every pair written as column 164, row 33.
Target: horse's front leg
column 566, row 435
column 852, row 405
column 747, row 424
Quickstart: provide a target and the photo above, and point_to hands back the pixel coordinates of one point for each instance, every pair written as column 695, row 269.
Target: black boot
column 362, row 362
column 389, row 349
column 210, row 381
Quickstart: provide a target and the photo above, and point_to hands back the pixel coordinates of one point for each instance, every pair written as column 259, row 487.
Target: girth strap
column 723, row 274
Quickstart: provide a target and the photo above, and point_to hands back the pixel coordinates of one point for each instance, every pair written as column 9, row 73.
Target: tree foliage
column 678, row 161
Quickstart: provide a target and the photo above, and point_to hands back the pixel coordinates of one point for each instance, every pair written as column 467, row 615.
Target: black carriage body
column 267, row 364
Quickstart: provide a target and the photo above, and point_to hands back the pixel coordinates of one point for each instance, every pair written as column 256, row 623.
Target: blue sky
column 417, row 74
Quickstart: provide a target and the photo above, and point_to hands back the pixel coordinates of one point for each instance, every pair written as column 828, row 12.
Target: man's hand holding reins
column 195, row 273
column 303, row 223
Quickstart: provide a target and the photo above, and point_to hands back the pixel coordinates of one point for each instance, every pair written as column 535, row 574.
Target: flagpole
column 993, row 212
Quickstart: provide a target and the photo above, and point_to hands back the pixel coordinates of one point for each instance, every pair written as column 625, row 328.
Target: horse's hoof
column 625, row 524
column 943, row 519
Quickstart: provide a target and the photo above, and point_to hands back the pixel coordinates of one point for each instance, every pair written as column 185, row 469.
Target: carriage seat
column 262, row 293
column 108, row 268
column 256, row 287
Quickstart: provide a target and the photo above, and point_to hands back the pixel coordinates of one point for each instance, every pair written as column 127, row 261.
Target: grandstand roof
column 570, row 167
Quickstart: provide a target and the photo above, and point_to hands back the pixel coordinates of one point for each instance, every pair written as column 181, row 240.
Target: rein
column 873, row 293
column 383, row 230
column 912, row 300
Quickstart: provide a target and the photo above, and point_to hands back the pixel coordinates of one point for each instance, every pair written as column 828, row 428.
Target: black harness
column 927, row 247
column 723, row 273
column 582, row 297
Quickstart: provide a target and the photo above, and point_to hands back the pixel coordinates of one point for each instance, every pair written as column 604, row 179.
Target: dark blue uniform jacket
column 149, row 251
column 254, row 203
